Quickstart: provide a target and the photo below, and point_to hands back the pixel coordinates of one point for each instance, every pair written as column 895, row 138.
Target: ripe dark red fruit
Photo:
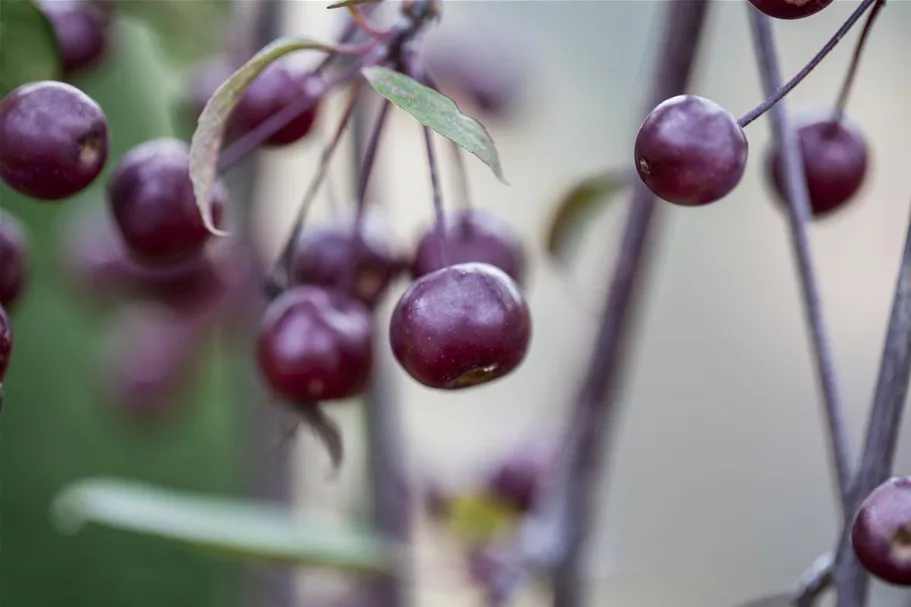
column 82, row 32
column 53, row 140
column 461, row 326
column 328, row 255
column 278, row 86
column 13, row 259
column 152, row 201
column 472, row 236
column 690, row 151
column 835, row 160
column 6, row 342
column 316, row 345
column 881, row 533
column 790, row 9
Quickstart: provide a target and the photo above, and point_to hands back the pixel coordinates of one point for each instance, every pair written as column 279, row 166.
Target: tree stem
column 599, row 393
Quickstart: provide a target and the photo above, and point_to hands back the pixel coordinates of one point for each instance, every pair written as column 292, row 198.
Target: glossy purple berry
column 329, row 256
column 6, row 342
column 53, row 140
column 315, row 345
column 152, row 201
column 790, row 9
column 82, row 30
column 835, row 160
column 461, row 326
column 690, row 151
column 881, row 533
column 472, row 236
column 14, row 253
column 282, row 83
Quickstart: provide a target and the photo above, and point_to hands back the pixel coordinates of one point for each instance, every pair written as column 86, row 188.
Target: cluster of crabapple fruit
column 462, row 322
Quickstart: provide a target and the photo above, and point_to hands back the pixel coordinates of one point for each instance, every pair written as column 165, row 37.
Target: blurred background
column 719, row 489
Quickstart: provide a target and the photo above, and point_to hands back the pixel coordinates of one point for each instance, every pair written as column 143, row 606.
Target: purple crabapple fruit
column 152, row 201
column 329, row 256
column 461, row 326
column 277, row 86
column 690, row 151
column 82, row 30
column 14, row 253
column 315, row 345
column 518, row 480
column 6, row 342
column 53, row 140
column 472, row 236
column 835, row 160
column 790, row 9
column 881, row 532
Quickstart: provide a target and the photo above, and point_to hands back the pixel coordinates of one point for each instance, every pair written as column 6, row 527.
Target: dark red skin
column 790, row 9
column 835, row 160
column 472, row 236
column 690, row 151
column 461, row 326
column 518, row 481
column 6, row 342
column 881, row 533
column 276, row 87
column 152, row 201
column 53, row 140
column 315, row 345
column 327, row 255
column 14, row 253
column 82, row 30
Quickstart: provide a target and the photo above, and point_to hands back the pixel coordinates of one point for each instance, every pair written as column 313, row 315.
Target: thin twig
column 433, row 169
column 598, row 396
column 785, row 139
column 786, row 88
column 851, row 581
column 855, row 61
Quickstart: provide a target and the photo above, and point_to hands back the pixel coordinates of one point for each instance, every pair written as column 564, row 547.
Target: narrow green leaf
column 436, row 111
column 241, row 529
column 577, row 206
column 187, row 31
column 345, row 3
column 206, row 144
column 28, row 46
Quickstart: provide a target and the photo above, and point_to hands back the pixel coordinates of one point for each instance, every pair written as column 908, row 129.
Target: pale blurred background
column 720, row 488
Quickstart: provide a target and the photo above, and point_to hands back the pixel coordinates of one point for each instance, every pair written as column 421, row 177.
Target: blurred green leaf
column 187, row 30
column 28, row 46
column 240, row 528
column 577, row 206
column 436, row 111
column 206, row 145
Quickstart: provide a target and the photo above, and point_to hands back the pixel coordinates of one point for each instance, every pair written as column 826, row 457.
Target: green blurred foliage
column 54, row 429
column 29, row 47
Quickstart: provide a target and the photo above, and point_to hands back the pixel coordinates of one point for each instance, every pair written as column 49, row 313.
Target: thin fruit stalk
column 599, row 393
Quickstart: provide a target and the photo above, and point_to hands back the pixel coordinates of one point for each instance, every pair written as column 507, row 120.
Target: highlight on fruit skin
column 690, row 151
column 881, row 532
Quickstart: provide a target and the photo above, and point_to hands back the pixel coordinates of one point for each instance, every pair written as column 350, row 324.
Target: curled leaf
column 327, row 431
column 437, row 112
column 238, row 528
column 207, row 140
column 577, row 205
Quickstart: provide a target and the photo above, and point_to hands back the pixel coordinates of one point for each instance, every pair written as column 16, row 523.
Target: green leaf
column 242, row 529
column 28, row 46
column 577, row 206
column 345, row 3
column 187, row 30
column 207, row 140
column 436, row 111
